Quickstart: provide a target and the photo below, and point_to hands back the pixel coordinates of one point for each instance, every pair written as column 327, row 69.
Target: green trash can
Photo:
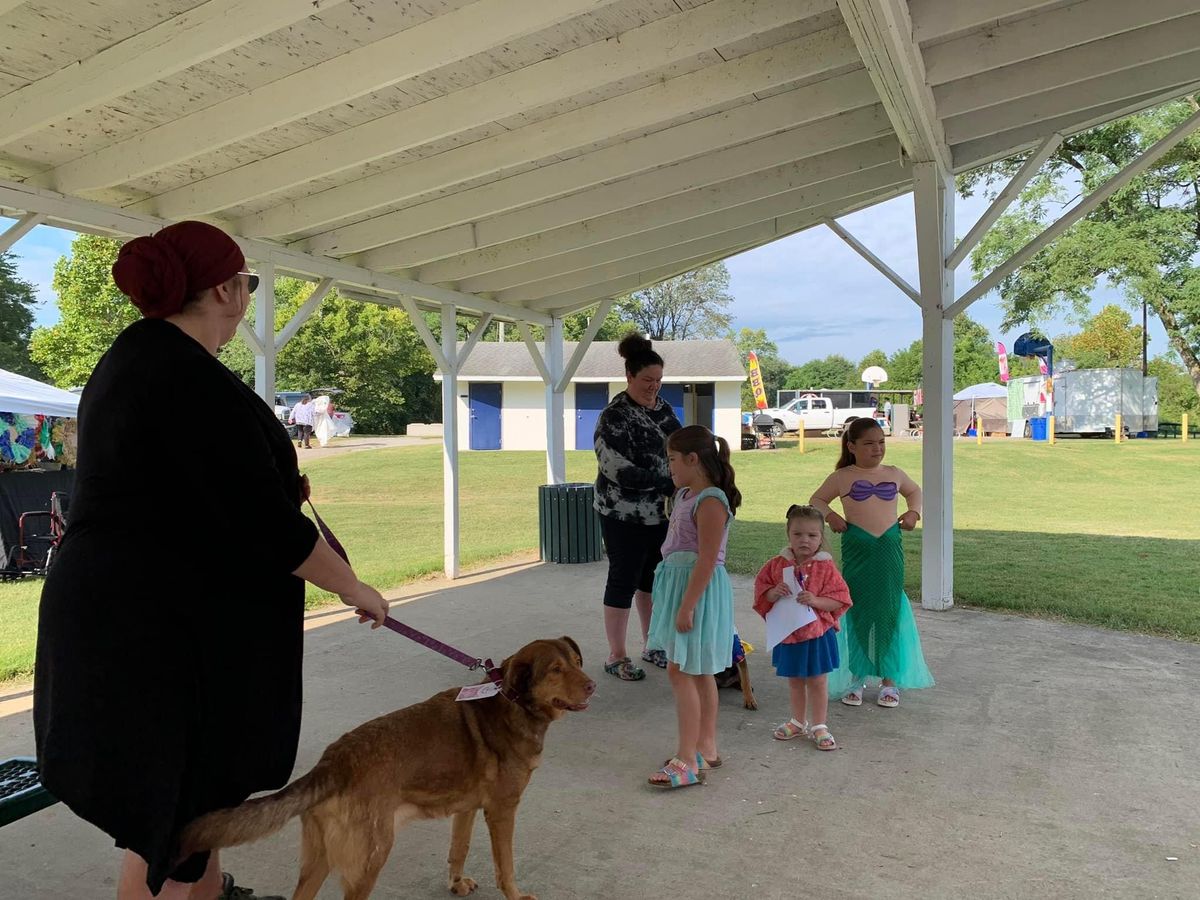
column 568, row 525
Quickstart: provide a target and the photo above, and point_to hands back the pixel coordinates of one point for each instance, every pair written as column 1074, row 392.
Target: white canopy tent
column 26, row 397
column 522, row 160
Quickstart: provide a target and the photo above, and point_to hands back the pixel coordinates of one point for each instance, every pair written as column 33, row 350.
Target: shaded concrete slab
column 1050, row 760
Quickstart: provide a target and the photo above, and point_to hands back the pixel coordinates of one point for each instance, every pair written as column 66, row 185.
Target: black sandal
column 230, row 891
column 624, row 669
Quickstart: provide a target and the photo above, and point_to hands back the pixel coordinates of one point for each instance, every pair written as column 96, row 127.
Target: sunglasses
column 252, row 285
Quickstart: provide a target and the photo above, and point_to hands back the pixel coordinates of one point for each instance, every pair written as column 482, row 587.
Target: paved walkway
column 1051, row 761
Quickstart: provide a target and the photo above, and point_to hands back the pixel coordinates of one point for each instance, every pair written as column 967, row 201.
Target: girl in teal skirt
column 880, row 637
column 692, row 621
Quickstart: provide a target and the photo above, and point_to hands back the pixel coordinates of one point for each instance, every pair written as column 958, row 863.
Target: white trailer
column 1086, row 402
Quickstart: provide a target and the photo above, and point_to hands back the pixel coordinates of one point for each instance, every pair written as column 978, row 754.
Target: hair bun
column 633, row 344
column 153, row 276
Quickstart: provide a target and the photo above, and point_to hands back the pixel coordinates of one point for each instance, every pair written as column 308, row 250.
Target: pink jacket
column 821, row 577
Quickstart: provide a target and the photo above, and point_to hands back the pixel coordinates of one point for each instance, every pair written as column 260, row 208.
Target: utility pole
column 1145, row 339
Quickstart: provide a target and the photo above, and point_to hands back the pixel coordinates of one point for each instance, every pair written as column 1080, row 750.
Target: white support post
column 297, row 321
column 19, row 229
column 1004, row 199
column 264, row 333
column 933, row 198
column 581, row 348
column 449, row 354
column 556, row 442
column 887, row 271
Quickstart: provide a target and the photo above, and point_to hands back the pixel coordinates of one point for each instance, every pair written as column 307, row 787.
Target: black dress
column 170, row 633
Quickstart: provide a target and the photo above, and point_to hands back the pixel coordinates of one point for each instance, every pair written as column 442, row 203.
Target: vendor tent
column 987, row 400
column 25, row 397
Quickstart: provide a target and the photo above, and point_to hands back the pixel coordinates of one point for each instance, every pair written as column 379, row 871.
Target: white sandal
column 853, row 697
column 889, row 697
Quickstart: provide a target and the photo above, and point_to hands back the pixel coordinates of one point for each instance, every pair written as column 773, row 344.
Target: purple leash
column 419, row 637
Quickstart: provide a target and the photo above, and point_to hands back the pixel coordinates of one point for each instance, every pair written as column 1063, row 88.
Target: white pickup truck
column 816, row 413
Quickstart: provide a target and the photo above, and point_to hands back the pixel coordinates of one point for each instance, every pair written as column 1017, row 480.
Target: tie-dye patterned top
column 633, row 481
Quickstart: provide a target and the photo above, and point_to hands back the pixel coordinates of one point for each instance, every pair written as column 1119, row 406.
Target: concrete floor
column 1050, row 760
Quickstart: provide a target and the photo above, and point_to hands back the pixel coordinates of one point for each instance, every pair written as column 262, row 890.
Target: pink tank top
column 682, row 534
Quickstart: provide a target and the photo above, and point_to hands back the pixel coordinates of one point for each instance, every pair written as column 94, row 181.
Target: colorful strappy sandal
column 888, row 697
column 675, row 774
column 790, row 730
column 703, row 764
column 822, row 738
column 624, row 669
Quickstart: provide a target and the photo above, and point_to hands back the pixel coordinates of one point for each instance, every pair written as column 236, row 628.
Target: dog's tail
column 261, row 817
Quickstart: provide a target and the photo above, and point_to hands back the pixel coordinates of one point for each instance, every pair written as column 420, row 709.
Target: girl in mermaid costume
column 879, row 639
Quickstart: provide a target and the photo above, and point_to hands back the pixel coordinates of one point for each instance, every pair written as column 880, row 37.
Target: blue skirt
column 807, row 659
column 708, row 648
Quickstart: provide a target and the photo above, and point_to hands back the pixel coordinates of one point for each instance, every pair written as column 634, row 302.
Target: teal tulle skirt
column 879, row 636
column 708, row 648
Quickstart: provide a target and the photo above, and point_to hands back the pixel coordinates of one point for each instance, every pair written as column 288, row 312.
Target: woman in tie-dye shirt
column 880, row 638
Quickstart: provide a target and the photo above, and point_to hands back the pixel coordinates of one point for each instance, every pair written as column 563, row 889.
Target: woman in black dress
column 170, row 633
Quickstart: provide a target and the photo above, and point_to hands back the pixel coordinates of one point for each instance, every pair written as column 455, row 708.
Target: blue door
column 590, row 400
column 485, row 415
column 673, row 394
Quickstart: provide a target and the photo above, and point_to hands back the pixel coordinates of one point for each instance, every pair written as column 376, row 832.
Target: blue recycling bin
column 1037, row 428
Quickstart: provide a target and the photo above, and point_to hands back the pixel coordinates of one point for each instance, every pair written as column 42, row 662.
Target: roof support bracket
column 581, row 349
column 538, row 360
column 19, row 229
column 887, row 271
column 442, row 353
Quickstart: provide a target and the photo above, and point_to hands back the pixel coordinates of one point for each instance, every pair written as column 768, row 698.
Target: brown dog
column 431, row 760
column 738, row 675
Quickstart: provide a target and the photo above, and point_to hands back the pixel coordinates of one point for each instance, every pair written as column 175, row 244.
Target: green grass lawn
column 1085, row 530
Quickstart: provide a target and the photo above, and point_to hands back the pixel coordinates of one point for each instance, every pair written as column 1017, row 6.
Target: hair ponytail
column 714, row 455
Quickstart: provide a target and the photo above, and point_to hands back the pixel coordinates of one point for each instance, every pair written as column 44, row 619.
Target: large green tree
column 1145, row 239
column 833, row 372
column 92, row 312
column 17, row 302
column 1108, row 338
column 693, row 305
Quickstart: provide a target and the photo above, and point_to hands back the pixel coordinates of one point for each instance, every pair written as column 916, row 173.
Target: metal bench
column 21, row 793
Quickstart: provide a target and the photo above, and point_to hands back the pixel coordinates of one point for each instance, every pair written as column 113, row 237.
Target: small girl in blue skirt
column 807, row 655
column 692, row 619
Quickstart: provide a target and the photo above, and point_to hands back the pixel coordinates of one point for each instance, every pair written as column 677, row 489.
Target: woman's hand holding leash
column 368, row 603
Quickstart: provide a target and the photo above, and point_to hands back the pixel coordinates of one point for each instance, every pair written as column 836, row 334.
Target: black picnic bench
column 21, row 792
column 1175, row 429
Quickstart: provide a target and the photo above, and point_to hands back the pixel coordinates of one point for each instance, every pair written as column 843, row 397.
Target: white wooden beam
column 7, row 5
column 72, row 212
column 1004, row 199
column 628, row 222
column 450, row 492
column 473, row 338
column 19, row 229
column 1048, row 105
column 171, row 46
column 979, row 152
column 446, row 359
column 883, row 33
column 652, row 46
column 264, row 331
column 646, row 108
column 937, row 19
column 933, row 199
column 861, row 249
column 1064, row 26
column 556, row 441
column 309, row 307
column 535, row 354
column 1032, row 76
column 594, row 326
column 1085, row 206
column 607, row 195
column 800, row 114
column 415, row 51
column 250, row 338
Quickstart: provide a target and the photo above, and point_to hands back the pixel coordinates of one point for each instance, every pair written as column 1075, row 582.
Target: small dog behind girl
column 807, row 655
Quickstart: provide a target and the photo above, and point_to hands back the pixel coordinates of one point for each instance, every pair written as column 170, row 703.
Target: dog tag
column 478, row 691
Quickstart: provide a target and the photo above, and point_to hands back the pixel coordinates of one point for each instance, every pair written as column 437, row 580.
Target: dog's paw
column 462, row 886
column 750, row 703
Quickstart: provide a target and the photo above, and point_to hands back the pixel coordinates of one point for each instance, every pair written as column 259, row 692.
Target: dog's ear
column 574, row 646
column 517, row 671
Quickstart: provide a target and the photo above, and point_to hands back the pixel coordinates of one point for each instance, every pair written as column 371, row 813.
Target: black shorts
column 634, row 550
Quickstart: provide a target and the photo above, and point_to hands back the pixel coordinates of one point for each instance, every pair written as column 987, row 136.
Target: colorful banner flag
column 756, row 382
column 1042, row 365
column 1003, row 362
column 918, row 397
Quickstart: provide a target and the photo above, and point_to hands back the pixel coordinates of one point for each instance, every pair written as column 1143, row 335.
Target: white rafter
column 628, row 223
column 707, row 88
column 882, row 31
column 795, row 112
column 19, row 229
column 862, row 250
column 432, row 44
column 581, row 348
column 652, row 46
column 757, row 155
column 72, row 211
column 310, row 306
column 169, row 47
column 6, row 5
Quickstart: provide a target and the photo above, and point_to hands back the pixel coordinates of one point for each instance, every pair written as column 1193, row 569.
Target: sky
column 811, row 292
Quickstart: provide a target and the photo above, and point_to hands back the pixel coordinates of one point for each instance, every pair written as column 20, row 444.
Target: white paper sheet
column 787, row 615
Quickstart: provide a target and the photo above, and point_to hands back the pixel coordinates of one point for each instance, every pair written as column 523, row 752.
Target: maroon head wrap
column 161, row 272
